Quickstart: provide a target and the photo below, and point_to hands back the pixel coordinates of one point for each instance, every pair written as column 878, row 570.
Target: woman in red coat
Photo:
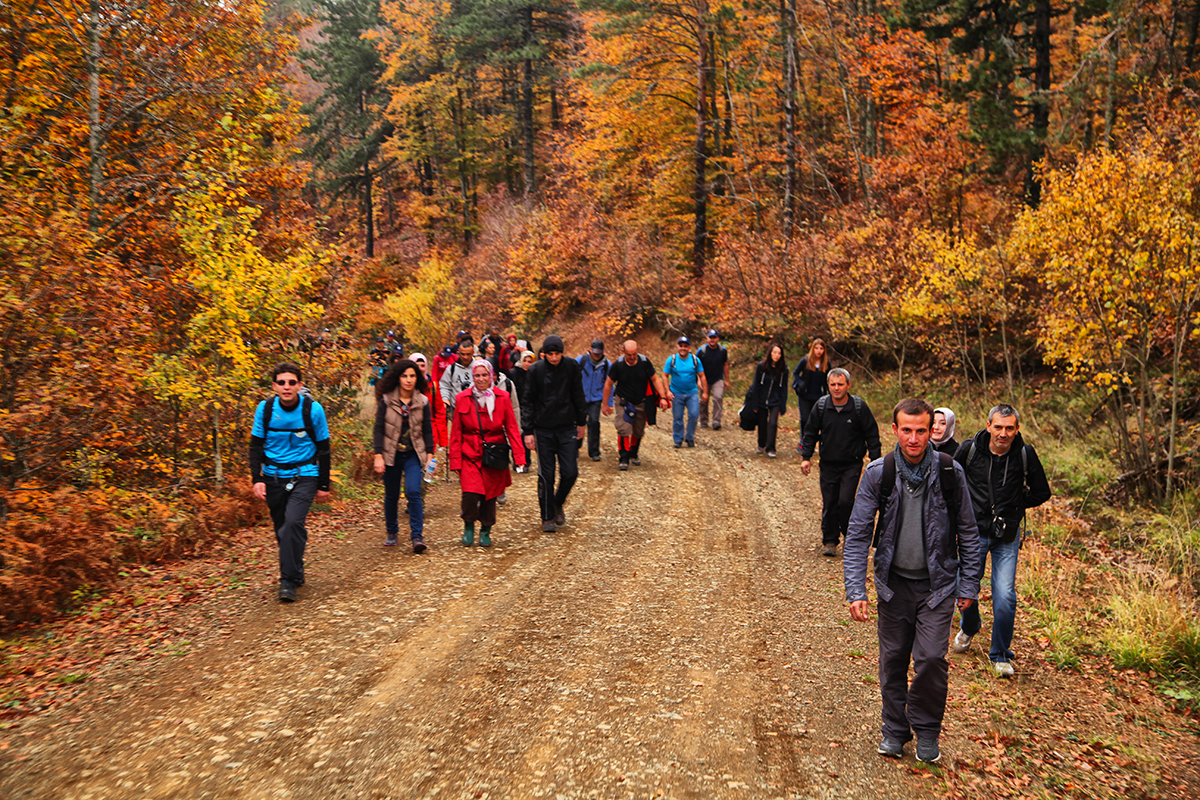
column 482, row 412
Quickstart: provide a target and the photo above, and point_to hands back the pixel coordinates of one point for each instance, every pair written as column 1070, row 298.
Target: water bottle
column 431, row 469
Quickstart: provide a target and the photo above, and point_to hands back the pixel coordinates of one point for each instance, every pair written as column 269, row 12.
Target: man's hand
column 530, row 443
column 964, row 603
column 806, row 466
column 670, row 395
column 704, row 397
column 663, row 403
column 380, row 466
column 580, row 431
column 858, row 611
column 260, row 490
column 322, row 497
column 607, row 411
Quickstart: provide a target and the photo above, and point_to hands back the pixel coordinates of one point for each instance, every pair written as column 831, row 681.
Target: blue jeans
column 690, row 401
column 406, row 468
column 1004, row 595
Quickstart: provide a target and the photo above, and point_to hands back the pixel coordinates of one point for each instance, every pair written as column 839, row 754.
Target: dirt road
column 680, row 637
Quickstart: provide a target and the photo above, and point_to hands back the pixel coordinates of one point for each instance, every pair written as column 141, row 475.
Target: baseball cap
column 597, row 345
column 712, row 332
column 683, row 340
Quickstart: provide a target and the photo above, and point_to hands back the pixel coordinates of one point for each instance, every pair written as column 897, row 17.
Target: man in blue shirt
column 594, row 368
column 289, row 467
column 686, row 389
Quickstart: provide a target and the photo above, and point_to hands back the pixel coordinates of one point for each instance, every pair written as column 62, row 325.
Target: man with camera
column 1004, row 477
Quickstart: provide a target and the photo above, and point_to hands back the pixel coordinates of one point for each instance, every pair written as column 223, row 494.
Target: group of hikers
column 932, row 510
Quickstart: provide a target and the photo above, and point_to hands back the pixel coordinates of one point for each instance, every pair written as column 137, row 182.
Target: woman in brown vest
column 403, row 445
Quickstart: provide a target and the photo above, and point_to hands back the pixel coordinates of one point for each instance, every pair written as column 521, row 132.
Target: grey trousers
column 716, row 393
column 910, row 629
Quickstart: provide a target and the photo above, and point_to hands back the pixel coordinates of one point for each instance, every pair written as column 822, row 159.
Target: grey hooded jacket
column 944, row 558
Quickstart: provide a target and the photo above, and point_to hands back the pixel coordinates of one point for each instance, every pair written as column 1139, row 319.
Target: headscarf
column 948, row 434
column 486, row 398
column 424, row 360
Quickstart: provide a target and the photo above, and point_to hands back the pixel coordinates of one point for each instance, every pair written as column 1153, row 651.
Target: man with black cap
column 553, row 417
column 594, row 369
column 715, row 359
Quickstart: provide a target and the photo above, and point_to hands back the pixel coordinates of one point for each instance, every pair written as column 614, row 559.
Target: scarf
column 486, row 398
column 948, row 434
column 914, row 476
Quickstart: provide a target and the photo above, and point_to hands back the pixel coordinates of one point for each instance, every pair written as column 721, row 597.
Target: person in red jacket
column 482, row 413
column 437, row 410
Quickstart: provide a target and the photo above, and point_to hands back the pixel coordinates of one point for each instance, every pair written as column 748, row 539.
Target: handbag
column 748, row 413
column 495, row 454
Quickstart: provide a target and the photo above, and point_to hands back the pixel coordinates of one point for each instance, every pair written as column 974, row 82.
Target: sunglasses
column 288, row 382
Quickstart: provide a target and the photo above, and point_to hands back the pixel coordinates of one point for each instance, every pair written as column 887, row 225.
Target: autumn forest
column 1001, row 197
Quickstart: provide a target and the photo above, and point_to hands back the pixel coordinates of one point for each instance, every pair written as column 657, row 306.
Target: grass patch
column 1153, row 630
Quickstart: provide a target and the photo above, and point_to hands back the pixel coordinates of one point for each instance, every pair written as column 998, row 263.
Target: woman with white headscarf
column 481, row 414
column 943, row 431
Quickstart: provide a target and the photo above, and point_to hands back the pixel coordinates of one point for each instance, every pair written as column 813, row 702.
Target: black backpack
column 306, row 403
column 949, row 491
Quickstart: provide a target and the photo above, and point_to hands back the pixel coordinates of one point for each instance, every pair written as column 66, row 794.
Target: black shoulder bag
column 495, row 454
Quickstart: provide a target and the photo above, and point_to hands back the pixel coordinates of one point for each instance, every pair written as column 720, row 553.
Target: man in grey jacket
column 920, row 549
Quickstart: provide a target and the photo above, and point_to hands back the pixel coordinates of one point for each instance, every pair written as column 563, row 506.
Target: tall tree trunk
column 368, row 207
column 95, row 136
column 700, row 161
column 1110, row 90
column 714, row 116
column 787, row 15
column 218, row 462
column 1040, row 104
column 527, row 103
column 457, row 110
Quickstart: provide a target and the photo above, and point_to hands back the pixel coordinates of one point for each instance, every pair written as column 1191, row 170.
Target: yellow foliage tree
column 1115, row 243
column 428, row 307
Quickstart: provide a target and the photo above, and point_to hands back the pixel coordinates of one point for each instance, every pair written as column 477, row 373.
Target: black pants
column 289, row 511
column 768, row 427
column 477, row 508
column 558, row 445
column 593, row 428
column 805, row 409
column 839, row 482
column 910, row 629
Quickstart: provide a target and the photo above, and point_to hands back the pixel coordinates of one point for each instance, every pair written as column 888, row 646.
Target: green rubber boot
column 468, row 534
column 485, row 537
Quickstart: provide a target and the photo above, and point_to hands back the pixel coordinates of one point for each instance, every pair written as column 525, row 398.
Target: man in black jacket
column 553, row 419
column 1004, row 477
column 846, row 428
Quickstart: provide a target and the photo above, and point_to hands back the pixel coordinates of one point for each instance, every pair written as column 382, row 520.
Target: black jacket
column 553, row 397
column 845, row 436
column 770, row 389
column 1011, row 493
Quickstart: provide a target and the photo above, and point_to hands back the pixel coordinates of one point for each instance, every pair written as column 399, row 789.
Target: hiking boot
column 560, row 518
column 890, row 747
column 485, row 537
column 703, row 424
column 678, row 445
column 771, row 454
column 624, row 465
column 961, row 642
column 418, row 544
column 637, row 462
column 502, row 499
column 691, row 443
column 595, row 458
column 829, row 550
column 1003, row 669
column 548, row 526
column 716, row 426
column 392, row 540
column 761, row 450
column 928, row 751
column 468, row 538
column 287, row 592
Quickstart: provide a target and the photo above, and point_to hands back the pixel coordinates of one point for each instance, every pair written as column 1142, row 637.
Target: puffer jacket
column 944, row 557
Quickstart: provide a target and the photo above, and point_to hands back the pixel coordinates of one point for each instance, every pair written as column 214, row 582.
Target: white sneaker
column 961, row 642
column 1004, row 669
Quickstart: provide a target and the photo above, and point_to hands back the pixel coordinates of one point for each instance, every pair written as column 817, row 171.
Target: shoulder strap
column 268, row 410
column 970, row 452
column 1025, row 466
column 949, row 482
column 858, row 405
column 306, row 404
column 887, row 482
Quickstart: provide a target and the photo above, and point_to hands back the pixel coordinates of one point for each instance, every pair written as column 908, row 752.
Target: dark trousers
column 593, row 428
column 910, row 629
column 806, row 407
column 556, row 445
column 476, row 509
column 768, row 426
column 405, row 469
column 839, row 482
column 289, row 510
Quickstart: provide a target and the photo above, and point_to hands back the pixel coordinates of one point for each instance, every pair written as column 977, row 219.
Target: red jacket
column 466, row 443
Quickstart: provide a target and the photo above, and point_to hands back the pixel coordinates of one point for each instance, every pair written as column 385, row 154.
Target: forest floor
column 680, row 637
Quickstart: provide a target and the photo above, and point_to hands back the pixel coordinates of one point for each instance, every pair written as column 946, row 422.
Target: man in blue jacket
column 289, row 467
column 926, row 534
column 594, row 367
